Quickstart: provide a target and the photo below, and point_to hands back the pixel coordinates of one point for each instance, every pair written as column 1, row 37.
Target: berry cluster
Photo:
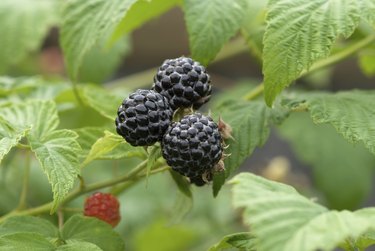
column 192, row 146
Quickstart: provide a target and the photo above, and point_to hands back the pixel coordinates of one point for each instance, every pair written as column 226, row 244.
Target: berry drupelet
column 184, row 82
column 103, row 206
column 193, row 146
column 143, row 118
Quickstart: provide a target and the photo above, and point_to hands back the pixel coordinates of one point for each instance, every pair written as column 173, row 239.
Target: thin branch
column 88, row 188
column 25, row 185
column 333, row 59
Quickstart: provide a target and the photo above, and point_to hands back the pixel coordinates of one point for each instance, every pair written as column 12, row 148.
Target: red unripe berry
column 103, row 206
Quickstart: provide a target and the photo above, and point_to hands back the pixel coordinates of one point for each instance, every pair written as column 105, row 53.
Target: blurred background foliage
column 338, row 174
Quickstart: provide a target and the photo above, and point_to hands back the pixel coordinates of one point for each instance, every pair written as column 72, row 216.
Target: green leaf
column 182, row 184
column 299, row 32
column 182, row 206
column 153, row 156
column 351, row 113
column 366, row 240
column 184, row 198
column 84, row 24
column 28, row 224
column 368, row 10
column 102, row 100
column 25, row 242
column 58, row 155
column 211, row 24
column 56, row 150
column 48, row 91
column 251, row 127
column 24, row 24
column 218, row 182
column 101, row 61
column 41, row 116
column 236, row 242
column 9, row 137
column 111, row 146
column 367, row 61
column 341, row 171
column 89, row 229
column 158, row 236
column 79, row 246
column 141, row 12
column 12, row 85
column 87, row 136
column 254, row 26
column 294, row 222
column 102, row 146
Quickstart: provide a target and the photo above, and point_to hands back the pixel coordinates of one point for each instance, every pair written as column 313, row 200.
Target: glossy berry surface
column 192, row 146
column 184, row 82
column 103, row 206
column 143, row 118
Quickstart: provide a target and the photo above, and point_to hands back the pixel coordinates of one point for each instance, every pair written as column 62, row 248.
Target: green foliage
column 288, row 37
column 184, row 198
column 110, row 146
column 171, row 238
column 101, row 61
column 141, row 12
column 251, row 127
column 78, row 233
column 92, row 230
column 210, row 24
column 350, row 113
column 254, row 26
column 282, row 219
column 343, row 172
column 84, row 23
column 236, row 242
column 153, row 155
column 13, row 85
column 56, row 150
column 24, row 23
column 9, row 137
column 367, row 61
column 79, row 246
column 25, row 242
column 102, row 100
column 292, row 32
column 27, row 224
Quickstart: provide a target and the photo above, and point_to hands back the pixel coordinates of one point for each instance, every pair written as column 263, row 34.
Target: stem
column 89, row 188
column 347, row 52
column 254, row 93
column 108, row 183
column 60, row 217
column 76, row 93
column 72, row 210
column 26, row 175
column 119, row 189
column 23, row 146
column 233, row 48
column 143, row 78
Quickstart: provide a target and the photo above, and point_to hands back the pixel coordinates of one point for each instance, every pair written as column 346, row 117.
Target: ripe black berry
column 143, row 118
column 192, row 146
column 184, row 82
column 199, row 181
